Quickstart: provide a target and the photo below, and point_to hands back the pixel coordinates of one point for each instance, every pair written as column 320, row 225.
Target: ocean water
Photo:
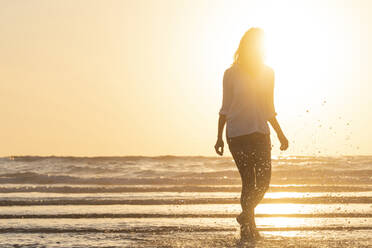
column 181, row 201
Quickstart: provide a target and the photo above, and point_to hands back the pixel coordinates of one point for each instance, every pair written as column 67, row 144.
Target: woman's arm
column 226, row 101
column 283, row 140
column 219, row 144
column 271, row 116
column 221, row 125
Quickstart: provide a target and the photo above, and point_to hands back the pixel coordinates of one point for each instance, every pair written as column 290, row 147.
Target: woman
column 247, row 106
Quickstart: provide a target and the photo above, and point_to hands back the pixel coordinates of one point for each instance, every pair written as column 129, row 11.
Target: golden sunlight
column 116, row 120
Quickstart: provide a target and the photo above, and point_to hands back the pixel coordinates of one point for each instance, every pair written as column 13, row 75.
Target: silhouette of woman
column 247, row 106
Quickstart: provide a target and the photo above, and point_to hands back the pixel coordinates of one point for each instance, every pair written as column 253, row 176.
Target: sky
column 144, row 77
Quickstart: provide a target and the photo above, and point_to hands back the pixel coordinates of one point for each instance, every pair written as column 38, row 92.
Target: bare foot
column 246, row 233
column 254, row 230
column 249, row 220
column 256, row 234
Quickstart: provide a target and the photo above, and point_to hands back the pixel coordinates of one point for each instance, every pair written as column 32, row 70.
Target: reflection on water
column 191, row 224
column 175, row 195
column 313, row 208
column 197, row 209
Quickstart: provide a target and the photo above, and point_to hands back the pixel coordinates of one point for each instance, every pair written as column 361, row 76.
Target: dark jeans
column 252, row 156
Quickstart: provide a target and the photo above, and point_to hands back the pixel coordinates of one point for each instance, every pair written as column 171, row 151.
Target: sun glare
column 301, row 51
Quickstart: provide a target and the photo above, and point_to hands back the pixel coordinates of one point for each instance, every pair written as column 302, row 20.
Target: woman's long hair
column 250, row 53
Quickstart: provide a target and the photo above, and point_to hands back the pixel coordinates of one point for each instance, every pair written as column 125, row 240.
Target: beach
column 181, row 201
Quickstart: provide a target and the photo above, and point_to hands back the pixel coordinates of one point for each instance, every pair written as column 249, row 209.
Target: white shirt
column 247, row 103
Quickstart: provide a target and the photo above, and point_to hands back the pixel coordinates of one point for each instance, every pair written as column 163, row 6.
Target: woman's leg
column 243, row 156
column 244, row 161
column 262, row 171
column 252, row 156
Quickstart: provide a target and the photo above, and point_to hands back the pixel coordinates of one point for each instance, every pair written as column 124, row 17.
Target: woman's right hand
column 219, row 144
